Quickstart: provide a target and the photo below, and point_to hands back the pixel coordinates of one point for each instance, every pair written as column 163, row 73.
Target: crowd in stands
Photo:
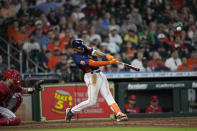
column 139, row 32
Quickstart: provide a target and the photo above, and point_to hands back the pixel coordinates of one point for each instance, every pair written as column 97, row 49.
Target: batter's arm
column 102, row 55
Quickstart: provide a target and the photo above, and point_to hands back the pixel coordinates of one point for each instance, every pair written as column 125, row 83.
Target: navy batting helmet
column 78, row 43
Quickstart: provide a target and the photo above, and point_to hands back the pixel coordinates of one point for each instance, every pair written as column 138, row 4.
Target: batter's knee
column 92, row 102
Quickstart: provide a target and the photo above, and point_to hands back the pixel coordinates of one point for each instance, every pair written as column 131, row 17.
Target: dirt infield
column 137, row 122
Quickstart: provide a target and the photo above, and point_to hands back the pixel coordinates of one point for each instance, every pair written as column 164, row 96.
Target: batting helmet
column 78, row 43
column 12, row 74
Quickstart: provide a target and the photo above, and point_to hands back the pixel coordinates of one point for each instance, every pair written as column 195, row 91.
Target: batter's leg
column 93, row 89
column 105, row 92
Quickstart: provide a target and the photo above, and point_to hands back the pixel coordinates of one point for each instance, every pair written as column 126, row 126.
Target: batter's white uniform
column 95, row 82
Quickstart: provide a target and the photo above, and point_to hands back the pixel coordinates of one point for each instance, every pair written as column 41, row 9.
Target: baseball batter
column 11, row 97
column 96, row 81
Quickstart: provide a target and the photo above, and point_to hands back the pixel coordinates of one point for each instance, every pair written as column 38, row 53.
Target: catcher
column 11, row 96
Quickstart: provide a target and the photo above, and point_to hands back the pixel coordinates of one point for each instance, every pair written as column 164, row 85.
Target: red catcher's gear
column 12, row 74
column 11, row 121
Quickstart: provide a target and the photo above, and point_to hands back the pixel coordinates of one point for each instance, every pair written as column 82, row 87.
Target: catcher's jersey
column 82, row 59
column 6, row 93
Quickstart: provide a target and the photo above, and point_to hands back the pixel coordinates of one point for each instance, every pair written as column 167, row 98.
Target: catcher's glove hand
column 37, row 85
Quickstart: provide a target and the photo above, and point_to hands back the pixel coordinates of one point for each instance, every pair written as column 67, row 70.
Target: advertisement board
column 54, row 99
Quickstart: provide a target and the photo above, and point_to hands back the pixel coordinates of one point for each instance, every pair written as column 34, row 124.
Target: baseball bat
column 129, row 66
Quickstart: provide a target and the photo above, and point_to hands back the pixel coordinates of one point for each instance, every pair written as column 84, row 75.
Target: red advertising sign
column 54, row 100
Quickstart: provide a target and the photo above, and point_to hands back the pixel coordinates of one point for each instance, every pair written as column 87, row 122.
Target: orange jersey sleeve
column 98, row 63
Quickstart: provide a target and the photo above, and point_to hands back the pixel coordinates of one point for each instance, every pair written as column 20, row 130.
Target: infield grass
column 119, row 129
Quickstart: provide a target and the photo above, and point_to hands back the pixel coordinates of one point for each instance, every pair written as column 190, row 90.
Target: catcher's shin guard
column 69, row 115
column 11, row 121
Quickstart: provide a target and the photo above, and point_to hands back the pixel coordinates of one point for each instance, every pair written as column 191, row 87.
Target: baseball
column 178, row 28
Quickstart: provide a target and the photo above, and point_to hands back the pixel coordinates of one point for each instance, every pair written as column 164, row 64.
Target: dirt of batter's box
column 132, row 122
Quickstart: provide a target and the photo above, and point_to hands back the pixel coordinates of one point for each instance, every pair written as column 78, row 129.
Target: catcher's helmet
column 12, row 74
column 78, row 43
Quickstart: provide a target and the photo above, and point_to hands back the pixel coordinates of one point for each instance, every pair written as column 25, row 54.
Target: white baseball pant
column 95, row 82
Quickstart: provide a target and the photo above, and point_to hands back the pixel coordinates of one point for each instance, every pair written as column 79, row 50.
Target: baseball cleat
column 69, row 115
column 122, row 117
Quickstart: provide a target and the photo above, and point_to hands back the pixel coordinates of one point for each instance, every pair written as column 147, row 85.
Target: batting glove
column 113, row 61
column 109, row 57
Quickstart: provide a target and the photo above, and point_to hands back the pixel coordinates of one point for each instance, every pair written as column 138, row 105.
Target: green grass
column 119, row 129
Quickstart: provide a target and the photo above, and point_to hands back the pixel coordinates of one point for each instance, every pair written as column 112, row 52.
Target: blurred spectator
column 154, row 108
column 68, row 7
column 3, row 66
column 89, row 10
column 146, row 34
column 178, row 4
column 85, row 37
column 6, row 11
column 3, row 28
column 111, row 46
column 138, row 61
column 170, row 38
column 99, row 27
column 22, row 36
column 184, row 66
column 38, row 33
column 46, row 59
column 113, row 25
column 77, row 14
column 48, row 39
column 145, row 65
column 12, row 30
column 160, row 66
column 46, row 26
column 152, row 63
column 47, row 6
column 31, row 45
column 115, row 37
column 103, row 47
column 82, row 25
column 135, row 16
column 129, row 50
column 174, row 61
column 62, row 23
column 131, row 37
column 149, row 16
column 23, row 9
column 52, row 18
column 64, row 68
column 56, row 45
column 131, row 108
column 106, row 19
column 93, row 35
column 61, row 12
column 113, row 68
column 180, row 47
column 126, row 25
column 54, row 60
column 64, row 40
column 15, row 5
column 161, row 46
column 193, row 60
